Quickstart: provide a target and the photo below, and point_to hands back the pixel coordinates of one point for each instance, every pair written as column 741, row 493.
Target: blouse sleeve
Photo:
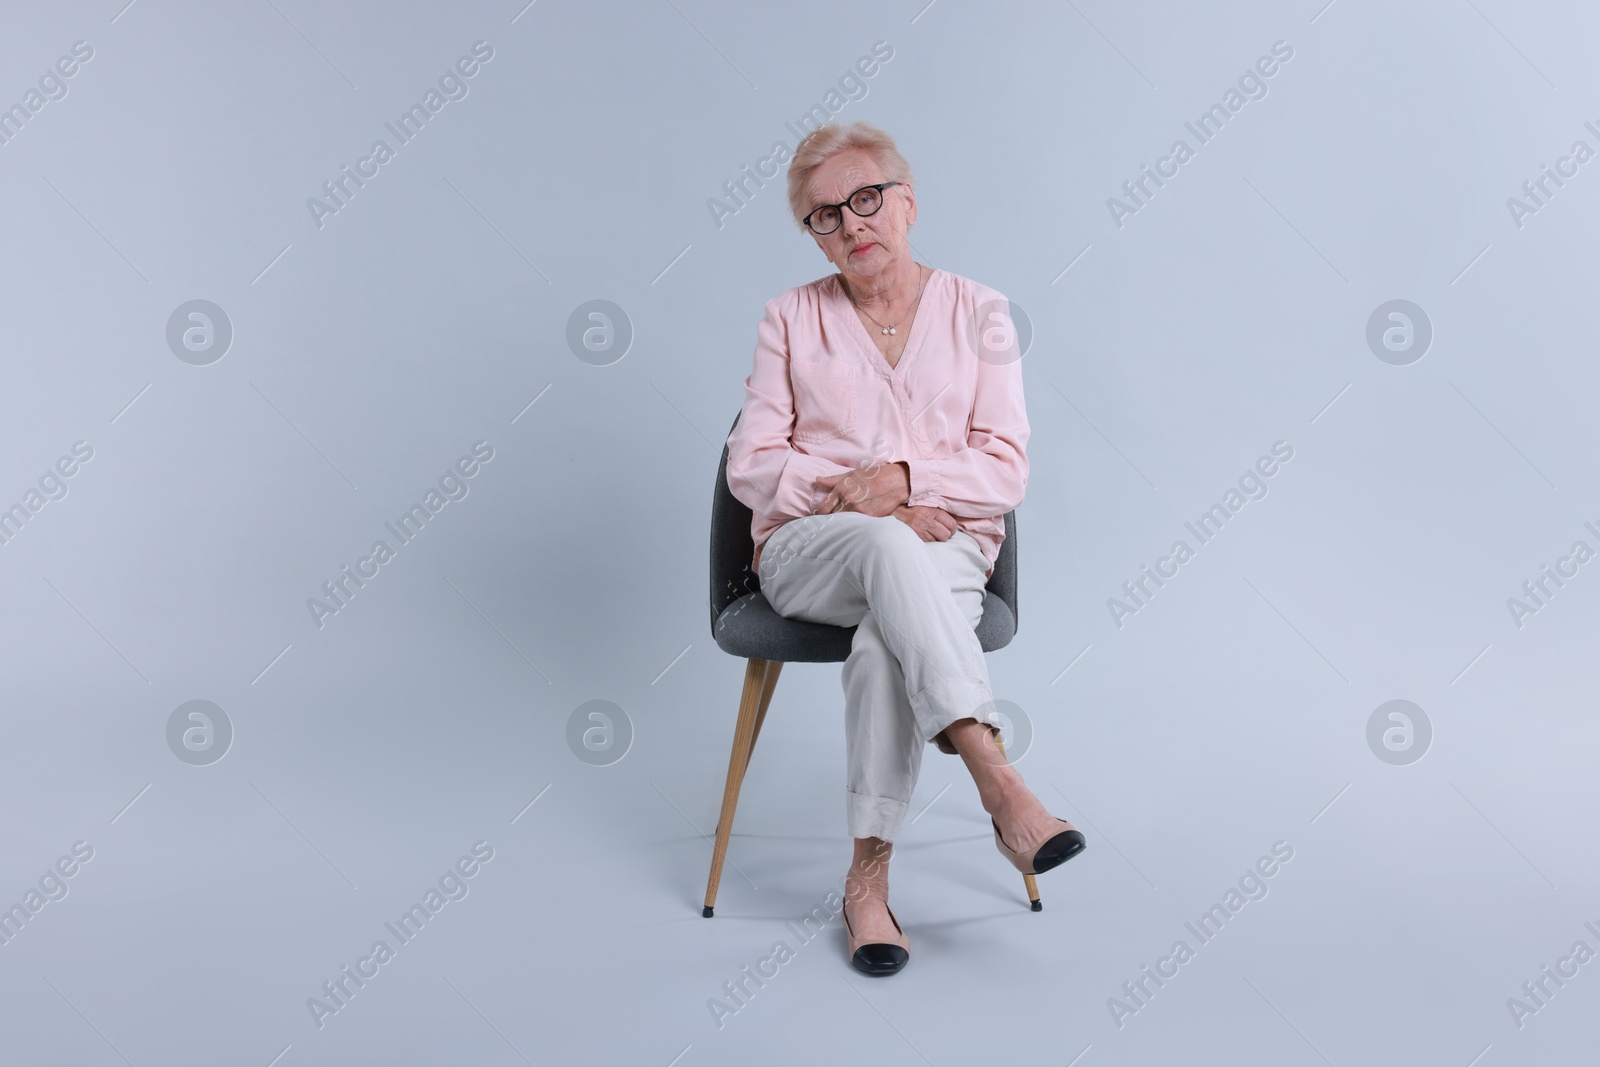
column 765, row 472
column 989, row 477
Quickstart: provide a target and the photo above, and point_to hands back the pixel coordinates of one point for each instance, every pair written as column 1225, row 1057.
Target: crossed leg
column 916, row 672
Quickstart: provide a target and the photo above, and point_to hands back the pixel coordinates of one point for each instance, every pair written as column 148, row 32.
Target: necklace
column 889, row 329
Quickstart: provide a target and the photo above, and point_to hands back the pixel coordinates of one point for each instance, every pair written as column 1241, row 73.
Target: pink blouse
column 823, row 400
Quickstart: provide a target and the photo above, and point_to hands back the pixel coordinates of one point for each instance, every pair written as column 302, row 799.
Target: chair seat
column 751, row 629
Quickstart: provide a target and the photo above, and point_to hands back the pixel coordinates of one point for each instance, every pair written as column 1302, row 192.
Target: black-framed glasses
column 864, row 201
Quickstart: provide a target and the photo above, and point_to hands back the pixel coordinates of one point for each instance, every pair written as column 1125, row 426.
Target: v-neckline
column 913, row 341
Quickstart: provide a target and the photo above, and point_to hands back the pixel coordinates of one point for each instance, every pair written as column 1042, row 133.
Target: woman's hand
column 873, row 491
column 881, row 491
column 931, row 524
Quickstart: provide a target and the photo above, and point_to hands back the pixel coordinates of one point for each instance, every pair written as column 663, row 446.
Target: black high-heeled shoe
column 1053, row 853
column 877, row 957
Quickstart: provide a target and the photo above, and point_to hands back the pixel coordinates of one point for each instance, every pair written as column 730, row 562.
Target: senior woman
column 879, row 448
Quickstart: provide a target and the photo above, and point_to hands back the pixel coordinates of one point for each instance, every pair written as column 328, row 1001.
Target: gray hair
column 823, row 142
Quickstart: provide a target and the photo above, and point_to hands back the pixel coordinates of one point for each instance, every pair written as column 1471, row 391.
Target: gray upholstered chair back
column 760, row 632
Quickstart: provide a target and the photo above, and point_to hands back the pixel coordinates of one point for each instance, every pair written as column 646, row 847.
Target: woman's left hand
column 871, row 491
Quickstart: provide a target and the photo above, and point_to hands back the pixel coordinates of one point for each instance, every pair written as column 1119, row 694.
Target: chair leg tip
column 1038, row 905
column 705, row 912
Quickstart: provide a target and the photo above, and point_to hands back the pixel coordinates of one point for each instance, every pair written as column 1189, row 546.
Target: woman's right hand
column 931, row 524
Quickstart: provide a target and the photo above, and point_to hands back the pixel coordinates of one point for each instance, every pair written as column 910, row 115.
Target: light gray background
column 369, row 354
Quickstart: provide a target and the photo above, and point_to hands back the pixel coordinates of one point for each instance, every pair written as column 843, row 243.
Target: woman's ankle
column 1004, row 794
column 869, row 869
column 977, row 743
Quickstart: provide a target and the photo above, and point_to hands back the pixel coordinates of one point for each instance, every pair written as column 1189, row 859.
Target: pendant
column 888, row 329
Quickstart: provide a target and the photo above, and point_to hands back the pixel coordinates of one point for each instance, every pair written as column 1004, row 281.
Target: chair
column 744, row 624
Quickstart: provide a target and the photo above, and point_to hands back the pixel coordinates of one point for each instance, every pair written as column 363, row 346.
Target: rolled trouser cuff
column 947, row 702
column 879, row 817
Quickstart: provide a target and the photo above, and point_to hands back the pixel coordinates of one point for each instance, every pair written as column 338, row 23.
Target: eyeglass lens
column 865, row 202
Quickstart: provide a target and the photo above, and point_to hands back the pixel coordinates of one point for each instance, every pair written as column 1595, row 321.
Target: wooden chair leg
column 1028, row 882
column 752, row 707
column 774, row 668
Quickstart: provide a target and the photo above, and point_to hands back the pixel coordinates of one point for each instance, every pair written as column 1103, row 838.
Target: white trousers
column 915, row 665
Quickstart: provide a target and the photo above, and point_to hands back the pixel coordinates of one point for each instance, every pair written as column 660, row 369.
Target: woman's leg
column 888, row 729
column 916, row 669
column 835, row 568
column 883, row 756
column 811, row 570
column 866, row 890
column 883, row 749
column 1024, row 821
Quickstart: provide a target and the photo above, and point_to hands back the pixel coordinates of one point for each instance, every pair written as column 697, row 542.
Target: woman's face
column 862, row 248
